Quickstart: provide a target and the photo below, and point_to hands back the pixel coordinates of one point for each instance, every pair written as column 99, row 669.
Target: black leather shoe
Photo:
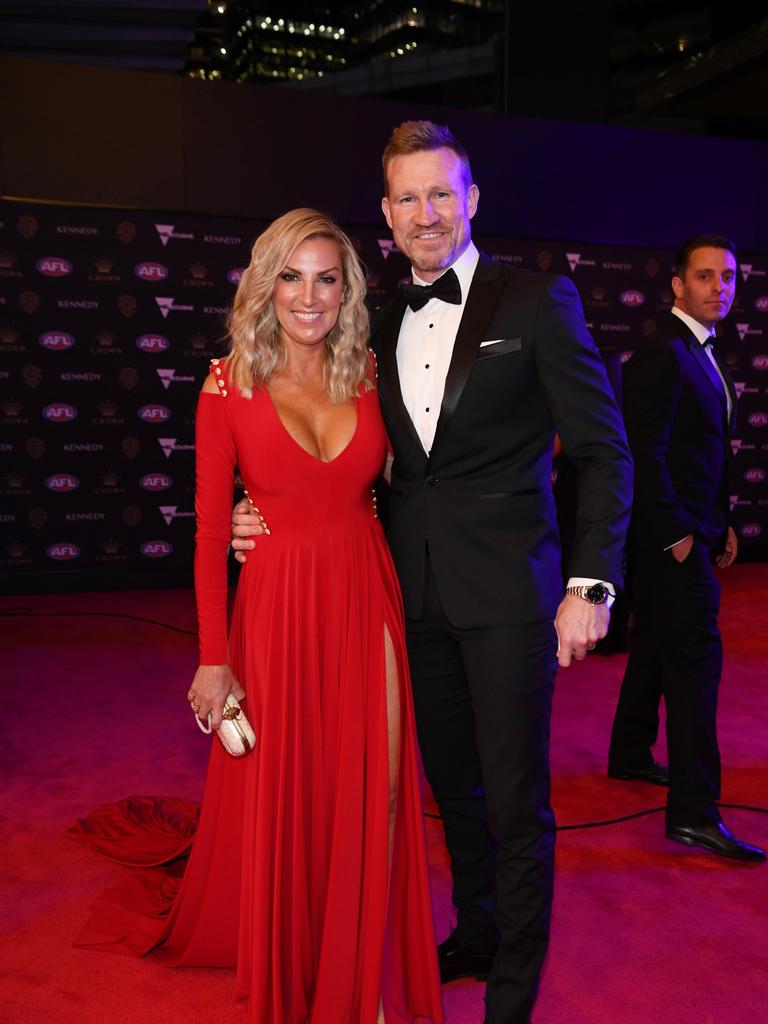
column 654, row 773
column 457, row 961
column 717, row 838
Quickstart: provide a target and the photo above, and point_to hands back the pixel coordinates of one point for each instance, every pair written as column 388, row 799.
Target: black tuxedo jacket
column 677, row 423
column 482, row 500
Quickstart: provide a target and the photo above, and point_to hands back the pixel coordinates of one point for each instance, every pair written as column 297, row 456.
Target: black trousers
column 483, row 700
column 675, row 651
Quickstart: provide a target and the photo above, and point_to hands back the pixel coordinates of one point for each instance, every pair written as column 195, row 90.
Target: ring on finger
column 195, row 706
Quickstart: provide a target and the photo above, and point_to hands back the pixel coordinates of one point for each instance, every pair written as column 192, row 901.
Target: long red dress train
column 290, row 878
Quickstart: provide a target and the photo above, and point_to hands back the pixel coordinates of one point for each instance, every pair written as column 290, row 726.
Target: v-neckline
column 289, row 435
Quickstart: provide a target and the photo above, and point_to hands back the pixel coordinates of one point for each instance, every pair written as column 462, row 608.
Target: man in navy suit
column 679, row 409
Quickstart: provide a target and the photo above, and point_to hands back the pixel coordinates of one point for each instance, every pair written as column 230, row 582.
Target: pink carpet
column 645, row 931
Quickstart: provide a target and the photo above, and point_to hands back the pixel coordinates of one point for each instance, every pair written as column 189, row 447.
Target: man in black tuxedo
column 478, row 365
column 679, row 406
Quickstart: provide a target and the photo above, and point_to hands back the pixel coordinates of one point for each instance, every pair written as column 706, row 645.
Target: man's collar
column 464, row 268
column 702, row 332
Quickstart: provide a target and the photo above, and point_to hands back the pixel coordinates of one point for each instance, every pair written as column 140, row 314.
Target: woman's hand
column 210, row 688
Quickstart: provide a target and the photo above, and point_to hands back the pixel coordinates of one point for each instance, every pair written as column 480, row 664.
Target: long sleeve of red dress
column 214, row 477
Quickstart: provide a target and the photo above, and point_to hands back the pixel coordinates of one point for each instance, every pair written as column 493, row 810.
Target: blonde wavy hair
column 256, row 351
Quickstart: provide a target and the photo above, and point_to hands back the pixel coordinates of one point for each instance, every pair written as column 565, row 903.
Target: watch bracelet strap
column 581, row 589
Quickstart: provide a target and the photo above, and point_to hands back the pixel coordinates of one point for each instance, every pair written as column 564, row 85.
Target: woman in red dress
column 308, row 870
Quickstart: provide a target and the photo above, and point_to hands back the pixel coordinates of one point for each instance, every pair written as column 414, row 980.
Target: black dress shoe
column 717, row 838
column 654, row 773
column 458, row 961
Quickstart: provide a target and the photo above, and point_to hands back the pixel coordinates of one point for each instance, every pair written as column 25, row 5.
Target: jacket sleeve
column 588, row 421
column 214, row 484
column 651, row 397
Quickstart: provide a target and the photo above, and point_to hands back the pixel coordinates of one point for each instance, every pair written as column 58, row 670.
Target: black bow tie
column 446, row 288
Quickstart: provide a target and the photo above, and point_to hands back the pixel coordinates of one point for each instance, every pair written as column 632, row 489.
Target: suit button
column 431, row 480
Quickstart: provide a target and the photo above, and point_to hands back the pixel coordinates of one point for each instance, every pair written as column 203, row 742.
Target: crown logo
column 127, row 305
column 29, row 301
column 110, row 546
column 34, row 447
column 16, row 549
column 32, row 376
column 129, row 378
column 107, row 409
column 7, row 259
column 12, row 407
column 598, row 293
column 105, row 338
column 199, row 342
column 132, row 515
column 27, row 225
column 198, row 271
column 8, row 334
column 37, row 518
column 109, row 478
column 103, row 265
column 14, row 480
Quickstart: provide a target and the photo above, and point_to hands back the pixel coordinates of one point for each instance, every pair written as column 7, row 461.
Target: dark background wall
column 203, row 153
column 85, row 134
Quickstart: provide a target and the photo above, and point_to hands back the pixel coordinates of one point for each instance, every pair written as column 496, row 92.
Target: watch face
column 596, row 594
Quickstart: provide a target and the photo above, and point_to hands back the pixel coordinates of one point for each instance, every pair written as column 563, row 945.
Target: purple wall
column 79, row 134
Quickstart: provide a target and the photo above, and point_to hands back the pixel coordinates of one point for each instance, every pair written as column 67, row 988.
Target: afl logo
column 235, row 275
column 755, row 475
column 751, row 530
column 758, row 419
column 155, row 482
column 56, row 341
column 152, row 343
column 154, row 413
column 54, row 266
column 63, row 552
column 761, row 303
column 61, row 482
column 156, row 548
column 632, row 297
column 151, row 271
column 760, row 362
column 60, row 412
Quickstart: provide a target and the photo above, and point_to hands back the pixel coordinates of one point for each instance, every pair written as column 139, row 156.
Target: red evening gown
column 289, row 878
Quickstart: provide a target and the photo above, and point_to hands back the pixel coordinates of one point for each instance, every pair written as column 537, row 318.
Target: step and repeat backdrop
column 108, row 319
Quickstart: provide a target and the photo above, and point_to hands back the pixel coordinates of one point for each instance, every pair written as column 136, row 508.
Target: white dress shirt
column 425, row 347
column 704, row 335
column 424, row 351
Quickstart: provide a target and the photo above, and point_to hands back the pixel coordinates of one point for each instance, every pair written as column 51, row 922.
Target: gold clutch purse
column 235, row 732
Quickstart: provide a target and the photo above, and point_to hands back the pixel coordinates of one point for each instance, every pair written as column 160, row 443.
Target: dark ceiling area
column 672, row 66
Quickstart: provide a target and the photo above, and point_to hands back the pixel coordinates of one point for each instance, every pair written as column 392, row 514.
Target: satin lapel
column 728, row 383
column 387, row 333
column 484, row 293
column 701, row 357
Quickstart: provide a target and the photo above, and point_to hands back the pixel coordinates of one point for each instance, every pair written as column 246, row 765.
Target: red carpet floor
column 645, row 931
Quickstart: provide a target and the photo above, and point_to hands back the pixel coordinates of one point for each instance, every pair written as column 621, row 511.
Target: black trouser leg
column 483, row 706
column 636, row 722
column 679, row 603
column 446, row 731
column 511, row 673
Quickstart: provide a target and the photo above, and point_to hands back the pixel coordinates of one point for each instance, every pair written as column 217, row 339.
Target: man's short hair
column 421, row 136
column 683, row 255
